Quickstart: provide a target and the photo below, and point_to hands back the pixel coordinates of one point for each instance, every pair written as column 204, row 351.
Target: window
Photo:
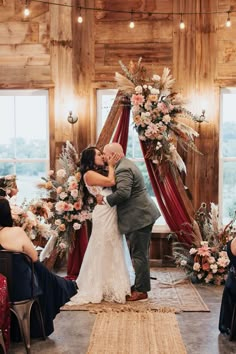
column 227, row 155
column 24, row 141
column 105, row 100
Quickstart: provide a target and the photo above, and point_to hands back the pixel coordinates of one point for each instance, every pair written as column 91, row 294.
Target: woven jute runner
column 150, row 332
column 170, row 288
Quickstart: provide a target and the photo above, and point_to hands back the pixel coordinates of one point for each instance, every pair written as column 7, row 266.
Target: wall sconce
column 72, row 119
column 202, row 117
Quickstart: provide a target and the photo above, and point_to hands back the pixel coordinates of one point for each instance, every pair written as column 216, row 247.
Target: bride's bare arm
column 94, row 178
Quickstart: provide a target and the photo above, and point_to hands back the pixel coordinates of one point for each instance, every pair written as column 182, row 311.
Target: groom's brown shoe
column 137, row 296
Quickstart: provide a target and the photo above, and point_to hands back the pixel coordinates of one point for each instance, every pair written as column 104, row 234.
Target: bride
column 106, row 272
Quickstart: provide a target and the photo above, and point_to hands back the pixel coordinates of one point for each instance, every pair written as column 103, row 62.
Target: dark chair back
column 18, row 269
column 8, row 262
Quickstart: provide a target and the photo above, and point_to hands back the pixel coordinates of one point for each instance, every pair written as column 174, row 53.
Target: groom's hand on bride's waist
column 100, row 199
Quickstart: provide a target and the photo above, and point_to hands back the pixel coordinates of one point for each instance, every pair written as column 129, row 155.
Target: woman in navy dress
column 229, row 294
column 53, row 291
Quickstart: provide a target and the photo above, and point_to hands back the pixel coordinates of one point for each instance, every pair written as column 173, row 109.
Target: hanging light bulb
column 228, row 22
column 131, row 24
column 26, row 9
column 181, row 24
column 80, row 18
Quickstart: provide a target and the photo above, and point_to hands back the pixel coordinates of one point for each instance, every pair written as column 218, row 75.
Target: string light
column 181, row 25
column 139, row 12
column 131, row 24
column 80, row 18
column 228, row 22
column 26, row 10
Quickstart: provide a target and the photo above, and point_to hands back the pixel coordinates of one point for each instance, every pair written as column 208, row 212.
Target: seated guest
column 53, row 291
column 229, row 294
column 8, row 186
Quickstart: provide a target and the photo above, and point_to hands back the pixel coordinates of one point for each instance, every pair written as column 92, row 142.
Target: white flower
column 192, row 251
column 196, row 267
column 166, row 118
column 76, row 226
column 223, row 262
column 214, row 268
column 211, row 260
column 72, row 179
column 156, row 78
column 61, row 173
column 204, row 243
column 183, row 263
column 74, row 193
column 63, row 195
column 138, row 89
column 154, row 91
column 223, row 254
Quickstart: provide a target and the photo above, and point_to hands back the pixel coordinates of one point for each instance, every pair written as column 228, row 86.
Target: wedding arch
column 155, row 110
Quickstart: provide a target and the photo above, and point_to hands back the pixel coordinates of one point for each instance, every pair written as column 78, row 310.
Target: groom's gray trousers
column 139, row 243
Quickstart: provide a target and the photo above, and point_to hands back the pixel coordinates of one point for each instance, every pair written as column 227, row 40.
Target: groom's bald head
column 113, row 148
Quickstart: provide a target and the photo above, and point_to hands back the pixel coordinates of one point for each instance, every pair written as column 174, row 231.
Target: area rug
column 136, row 333
column 170, row 288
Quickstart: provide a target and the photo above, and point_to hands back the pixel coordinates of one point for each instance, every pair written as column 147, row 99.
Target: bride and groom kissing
column 110, row 270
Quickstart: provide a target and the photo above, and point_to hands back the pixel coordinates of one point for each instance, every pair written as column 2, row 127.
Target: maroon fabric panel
column 170, row 201
column 76, row 254
column 4, row 311
column 122, row 130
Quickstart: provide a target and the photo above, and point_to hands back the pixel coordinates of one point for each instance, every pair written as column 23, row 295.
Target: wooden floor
column 199, row 330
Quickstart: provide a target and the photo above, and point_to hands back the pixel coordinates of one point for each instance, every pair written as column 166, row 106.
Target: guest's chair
column 21, row 309
column 2, row 343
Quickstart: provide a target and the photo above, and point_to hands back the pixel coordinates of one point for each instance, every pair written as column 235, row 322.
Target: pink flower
column 78, row 205
column 204, row 251
column 163, row 108
column 137, row 100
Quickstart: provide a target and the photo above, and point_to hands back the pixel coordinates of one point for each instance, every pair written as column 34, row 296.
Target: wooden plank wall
column 51, row 50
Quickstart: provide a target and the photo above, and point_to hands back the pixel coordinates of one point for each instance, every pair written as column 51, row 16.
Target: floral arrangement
column 207, row 262
column 65, row 188
column 34, row 218
column 158, row 114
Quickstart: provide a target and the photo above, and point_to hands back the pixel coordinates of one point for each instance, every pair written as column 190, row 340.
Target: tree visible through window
column 227, row 156
column 24, row 141
column 105, row 100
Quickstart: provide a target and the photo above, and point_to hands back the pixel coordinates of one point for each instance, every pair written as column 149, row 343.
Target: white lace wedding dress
column 106, row 272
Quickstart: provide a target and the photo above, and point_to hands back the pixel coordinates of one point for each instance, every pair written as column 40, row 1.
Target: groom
column 136, row 216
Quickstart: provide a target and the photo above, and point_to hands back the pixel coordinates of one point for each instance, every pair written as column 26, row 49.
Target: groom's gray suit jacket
column 135, row 208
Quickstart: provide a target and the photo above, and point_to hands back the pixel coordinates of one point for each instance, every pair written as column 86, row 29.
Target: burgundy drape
column 4, row 311
column 170, row 201
column 76, row 253
column 122, row 130
column 166, row 191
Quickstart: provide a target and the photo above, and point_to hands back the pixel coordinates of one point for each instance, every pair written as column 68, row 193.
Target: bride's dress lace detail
column 106, row 272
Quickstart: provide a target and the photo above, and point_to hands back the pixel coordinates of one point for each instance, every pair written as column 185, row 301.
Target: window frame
column 222, row 159
column 41, row 91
